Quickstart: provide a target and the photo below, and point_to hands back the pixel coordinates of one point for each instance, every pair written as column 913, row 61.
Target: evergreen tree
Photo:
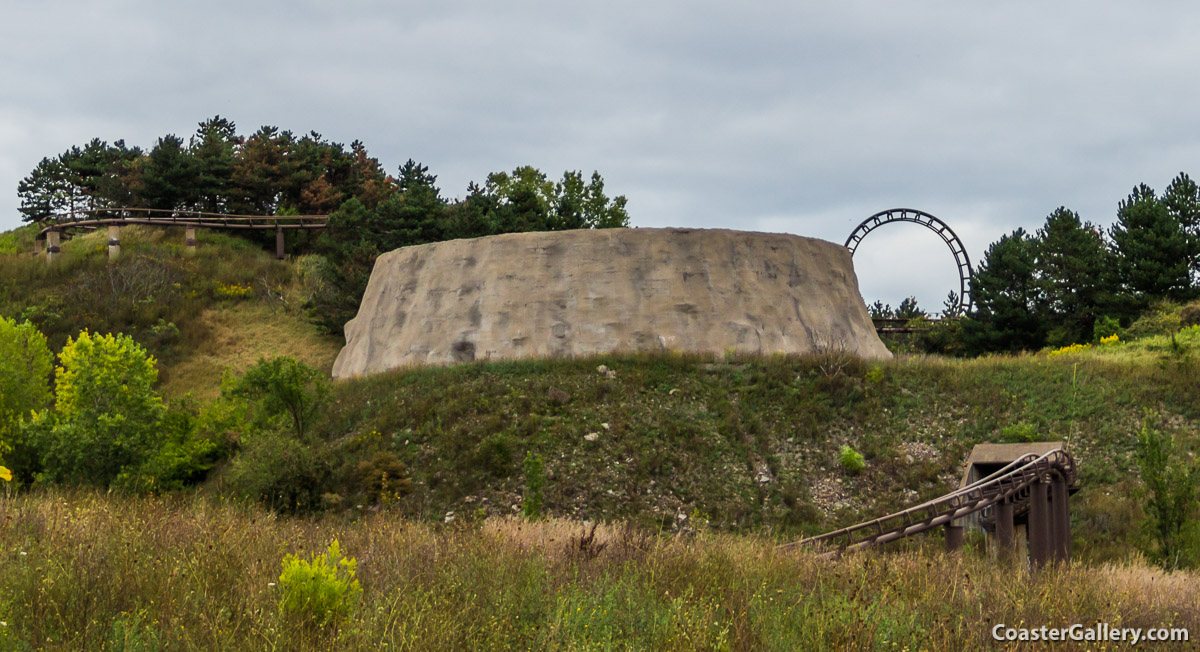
column 46, row 191
column 214, row 148
column 416, row 213
column 910, row 310
column 121, row 185
column 169, row 176
column 259, row 172
column 1152, row 249
column 472, row 217
column 1007, row 314
column 1074, row 269
column 1182, row 199
column 880, row 310
column 365, row 178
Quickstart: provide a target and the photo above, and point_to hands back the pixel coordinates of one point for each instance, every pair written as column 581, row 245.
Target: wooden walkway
column 59, row 227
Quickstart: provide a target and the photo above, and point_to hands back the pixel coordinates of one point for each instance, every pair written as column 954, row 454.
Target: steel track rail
column 1012, row 482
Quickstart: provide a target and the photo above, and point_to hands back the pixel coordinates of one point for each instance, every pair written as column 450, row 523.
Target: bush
column 1190, row 314
column 184, row 455
column 495, row 455
column 1162, row 319
column 1105, row 327
column 852, row 461
column 283, row 387
column 383, row 478
column 107, row 412
column 321, row 592
column 279, row 471
column 25, row 365
column 1170, row 504
column 1019, row 432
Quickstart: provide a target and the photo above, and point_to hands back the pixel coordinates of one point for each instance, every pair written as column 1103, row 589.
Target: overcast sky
column 798, row 117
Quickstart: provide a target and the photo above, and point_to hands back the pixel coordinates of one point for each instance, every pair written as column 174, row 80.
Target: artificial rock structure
column 571, row 293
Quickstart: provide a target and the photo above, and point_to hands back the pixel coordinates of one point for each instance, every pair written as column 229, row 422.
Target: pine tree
column 1007, row 314
column 1182, row 199
column 46, row 191
column 1074, row 270
column 214, row 148
column 1152, row 249
column 169, row 177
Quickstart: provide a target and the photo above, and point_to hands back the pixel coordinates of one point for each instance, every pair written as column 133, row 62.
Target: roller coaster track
column 1013, row 484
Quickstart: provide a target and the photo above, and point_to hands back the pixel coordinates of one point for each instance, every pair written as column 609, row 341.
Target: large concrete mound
column 570, row 293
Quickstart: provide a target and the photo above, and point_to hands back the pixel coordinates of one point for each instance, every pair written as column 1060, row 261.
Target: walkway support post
column 278, row 242
column 1061, row 516
column 189, row 239
column 52, row 246
column 1039, row 524
column 114, row 241
column 1005, row 541
column 954, row 537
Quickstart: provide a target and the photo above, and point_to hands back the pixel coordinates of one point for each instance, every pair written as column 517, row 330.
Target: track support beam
column 1040, row 535
column 1005, row 541
column 114, row 241
column 954, row 537
column 1061, row 516
column 52, row 247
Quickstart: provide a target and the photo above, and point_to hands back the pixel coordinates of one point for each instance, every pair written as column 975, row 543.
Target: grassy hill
column 222, row 307
column 671, row 441
column 696, row 466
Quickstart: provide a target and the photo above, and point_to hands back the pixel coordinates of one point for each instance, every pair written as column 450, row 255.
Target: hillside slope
column 675, row 442
column 223, row 306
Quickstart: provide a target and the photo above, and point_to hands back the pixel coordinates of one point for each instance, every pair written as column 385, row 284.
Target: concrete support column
column 189, row 239
column 114, row 241
column 52, row 238
column 278, row 243
column 1039, row 524
column 1061, row 516
column 1004, row 529
column 954, row 537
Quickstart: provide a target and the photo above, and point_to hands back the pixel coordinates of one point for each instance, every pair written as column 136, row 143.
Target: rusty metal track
column 1013, row 482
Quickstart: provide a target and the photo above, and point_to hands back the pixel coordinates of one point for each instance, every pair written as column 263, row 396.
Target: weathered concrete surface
column 572, row 293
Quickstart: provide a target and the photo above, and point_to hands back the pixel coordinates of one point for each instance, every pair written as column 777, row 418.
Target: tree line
column 1071, row 281
column 274, row 172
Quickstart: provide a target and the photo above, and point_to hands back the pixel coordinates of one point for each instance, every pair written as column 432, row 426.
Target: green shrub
column 1162, row 319
column 495, row 455
column 852, row 461
column 1022, row 431
column 279, row 471
column 283, row 388
column 25, row 365
column 1170, row 503
column 535, row 481
column 107, row 413
column 1105, row 326
column 383, row 478
column 183, row 457
column 1190, row 314
column 321, row 592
